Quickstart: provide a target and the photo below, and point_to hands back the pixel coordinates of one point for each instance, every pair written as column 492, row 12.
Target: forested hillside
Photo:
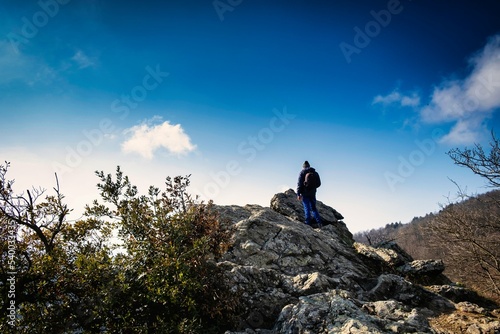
column 465, row 235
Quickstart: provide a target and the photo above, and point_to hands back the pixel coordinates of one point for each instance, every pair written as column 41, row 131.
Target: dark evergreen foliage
column 158, row 274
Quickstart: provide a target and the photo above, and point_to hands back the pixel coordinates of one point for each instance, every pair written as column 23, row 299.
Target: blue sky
column 239, row 93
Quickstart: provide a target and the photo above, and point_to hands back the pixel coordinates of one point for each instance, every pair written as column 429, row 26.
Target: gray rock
column 288, row 205
column 422, row 267
column 386, row 256
column 296, row 279
column 329, row 312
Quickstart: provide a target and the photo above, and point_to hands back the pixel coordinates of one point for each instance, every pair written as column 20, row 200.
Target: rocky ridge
column 295, row 279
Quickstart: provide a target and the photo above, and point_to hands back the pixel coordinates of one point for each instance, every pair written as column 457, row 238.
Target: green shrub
column 135, row 264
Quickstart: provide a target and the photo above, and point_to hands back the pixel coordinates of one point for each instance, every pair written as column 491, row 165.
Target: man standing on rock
column 307, row 184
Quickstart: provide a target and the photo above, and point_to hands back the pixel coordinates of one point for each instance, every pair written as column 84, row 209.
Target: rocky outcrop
column 287, row 204
column 295, row 279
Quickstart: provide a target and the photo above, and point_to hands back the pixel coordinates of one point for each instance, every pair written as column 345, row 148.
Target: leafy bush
column 135, row 264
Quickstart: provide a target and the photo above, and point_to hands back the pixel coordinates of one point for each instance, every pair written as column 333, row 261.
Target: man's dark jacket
column 301, row 188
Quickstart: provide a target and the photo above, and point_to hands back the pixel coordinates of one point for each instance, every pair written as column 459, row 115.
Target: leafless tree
column 481, row 162
column 469, row 237
column 30, row 215
column 469, row 234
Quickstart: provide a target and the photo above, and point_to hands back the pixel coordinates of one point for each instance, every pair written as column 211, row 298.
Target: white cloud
column 464, row 132
column 410, row 101
column 82, row 60
column 396, row 98
column 471, row 101
column 483, row 85
column 145, row 139
column 444, row 106
column 465, row 103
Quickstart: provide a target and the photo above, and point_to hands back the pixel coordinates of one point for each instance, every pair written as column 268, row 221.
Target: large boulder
column 266, row 239
column 275, row 259
column 296, row 279
column 288, row 205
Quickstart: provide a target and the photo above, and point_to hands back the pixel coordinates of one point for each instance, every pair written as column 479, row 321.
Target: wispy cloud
column 146, row 138
column 16, row 66
column 398, row 99
column 82, row 60
column 468, row 102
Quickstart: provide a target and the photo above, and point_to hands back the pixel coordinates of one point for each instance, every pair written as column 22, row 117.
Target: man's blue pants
column 310, row 209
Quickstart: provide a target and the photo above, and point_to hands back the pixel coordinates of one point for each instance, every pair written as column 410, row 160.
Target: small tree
column 169, row 281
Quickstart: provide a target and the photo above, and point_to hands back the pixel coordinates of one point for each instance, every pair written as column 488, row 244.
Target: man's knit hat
column 306, row 164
